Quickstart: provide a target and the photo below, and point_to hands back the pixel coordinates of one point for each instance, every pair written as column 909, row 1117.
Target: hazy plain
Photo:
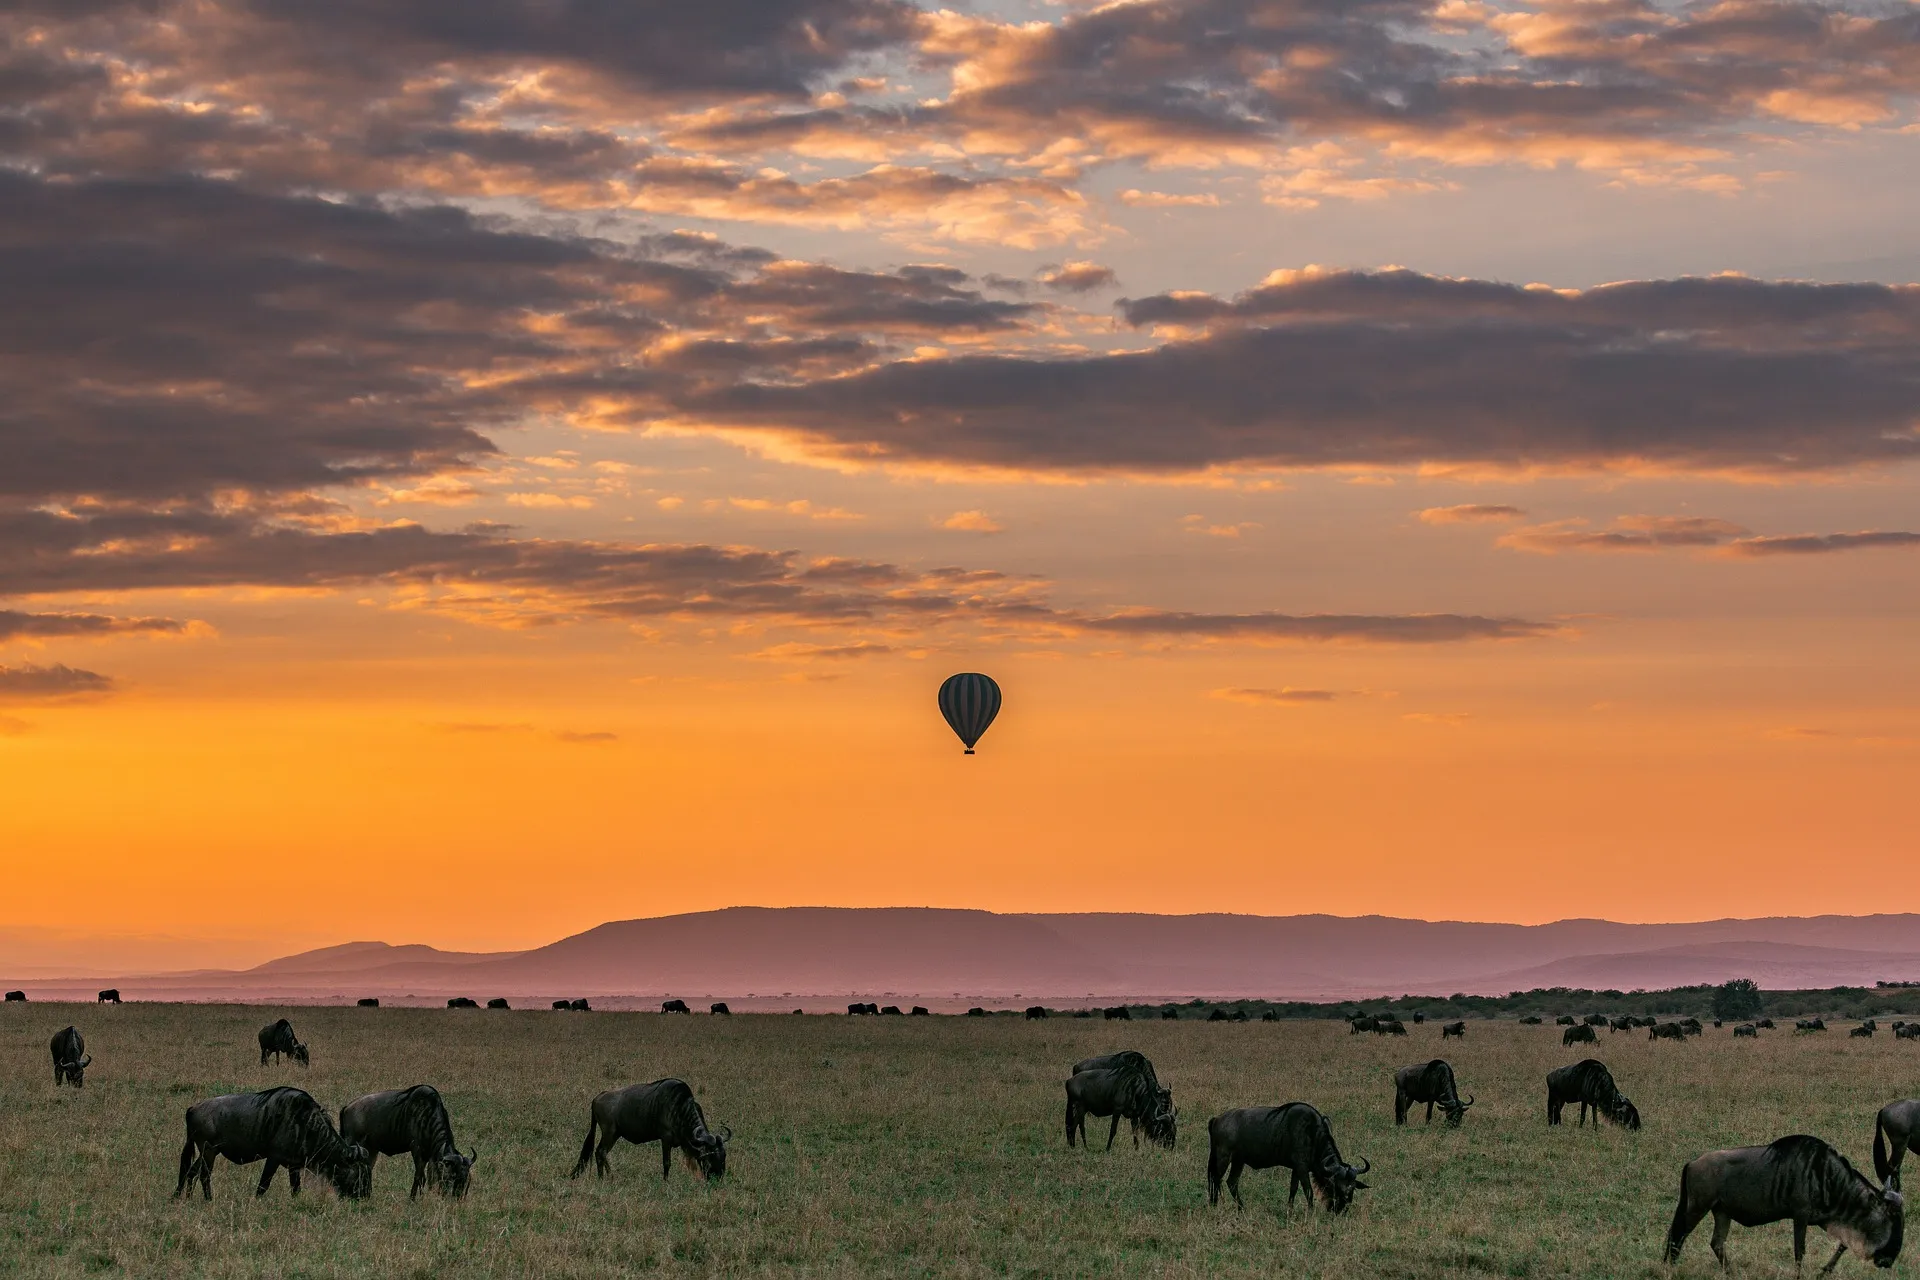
column 896, row 1146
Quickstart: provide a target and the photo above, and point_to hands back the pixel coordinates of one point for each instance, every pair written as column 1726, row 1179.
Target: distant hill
column 933, row 952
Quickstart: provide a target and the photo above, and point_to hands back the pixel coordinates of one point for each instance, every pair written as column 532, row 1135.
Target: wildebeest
column 277, row 1038
column 1418, row 1017
column 1269, row 1015
column 1385, row 1028
column 1870, row 1024
column 1765, row 1024
column 1121, row 1085
column 720, row 1007
column 1896, row 1131
column 412, row 1122
column 1428, row 1082
column 1170, row 1015
column 1861, row 1033
column 1621, row 1024
column 891, row 1011
column 1578, row 1034
column 368, row 1002
column 1362, row 1023
column 919, row 1011
column 110, row 996
column 1596, row 1019
column 563, row 1004
column 1456, row 1030
column 1036, row 1011
column 1909, row 1032
column 580, row 1005
column 1798, row 1178
column 1809, row 1024
column 1667, row 1031
column 1118, row 1012
column 663, row 1111
column 680, row 1006
column 283, row 1126
column 70, row 1058
column 1564, row 1020
column 1746, row 1029
column 976, row 1012
column 498, row 1002
column 463, row 1002
column 1295, row 1137
column 16, row 997
column 1531, row 1020
column 1590, row 1084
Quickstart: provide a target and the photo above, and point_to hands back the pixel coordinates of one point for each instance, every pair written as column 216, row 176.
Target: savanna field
column 883, row 1146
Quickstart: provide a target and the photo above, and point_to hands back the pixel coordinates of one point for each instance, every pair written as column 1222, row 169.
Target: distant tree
column 1737, row 1000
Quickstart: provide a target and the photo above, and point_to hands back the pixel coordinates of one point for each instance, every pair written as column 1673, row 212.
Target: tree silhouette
column 1737, row 1000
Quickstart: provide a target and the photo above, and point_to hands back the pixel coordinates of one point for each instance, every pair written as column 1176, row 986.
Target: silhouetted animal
column 1428, row 1082
column 1896, row 1131
column 1170, row 1015
column 1746, row 1029
column 1455, row 1030
column 1363, row 1023
column 976, row 1012
column 1418, row 1017
column 1118, row 1012
column 1385, row 1028
column 580, row 1005
column 1909, row 1032
column 1622, row 1024
column 410, row 1122
column 919, row 1011
column 891, row 1011
column 498, row 1002
column 463, row 1002
column 110, row 996
column 1564, row 1020
column 1590, row 1084
column 1861, row 1033
column 368, row 1002
column 277, row 1038
column 1797, row 1178
column 1036, row 1011
column 1810, row 1024
column 664, row 1112
column 1596, row 1020
column 563, row 1004
column 1295, row 1137
column 1531, row 1020
column 1269, row 1016
column 70, row 1058
column 680, row 1006
column 282, row 1126
column 1765, row 1024
column 1667, row 1031
column 720, row 1007
column 1121, row 1091
column 16, row 997
column 1578, row 1035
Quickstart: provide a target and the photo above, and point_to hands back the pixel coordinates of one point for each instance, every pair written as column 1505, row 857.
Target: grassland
column 924, row 1146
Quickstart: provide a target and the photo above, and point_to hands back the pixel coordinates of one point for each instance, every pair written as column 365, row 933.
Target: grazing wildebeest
column 70, row 1058
column 563, row 1004
column 664, row 1112
column 1746, row 1029
column 891, row 1011
column 919, row 1011
column 1126, row 1089
column 283, row 1126
column 1870, row 1024
column 1596, row 1019
column 1036, row 1011
column 680, row 1006
column 1362, row 1023
column 720, row 1007
column 1797, row 1177
column 799, row 1013
column 1667, row 1031
column 1590, row 1084
column 1531, row 1020
column 1385, row 1028
column 1564, row 1020
column 580, row 1005
column 976, row 1012
column 368, row 1002
column 1810, row 1024
column 1765, row 1024
column 1621, row 1024
column 1896, row 1131
column 277, row 1038
column 1691, row 1027
column 1861, row 1033
column 1217, row 1015
column 110, row 996
column 498, row 1002
column 1295, row 1137
column 463, row 1002
column 1578, row 1035
column 16, row 997
column 1118, row 1012
column 410, row 1122
column 1455, row 1030
column 1428, row 1082
column 1909, row 1032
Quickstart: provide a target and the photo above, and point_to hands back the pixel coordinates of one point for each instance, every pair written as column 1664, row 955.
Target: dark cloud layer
column 55, row 681
column 16, row 624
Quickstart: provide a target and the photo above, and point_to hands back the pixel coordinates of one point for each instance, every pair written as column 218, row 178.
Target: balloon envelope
column 969, row 701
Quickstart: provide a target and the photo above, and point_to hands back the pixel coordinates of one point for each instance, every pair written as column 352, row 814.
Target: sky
column 472, row 469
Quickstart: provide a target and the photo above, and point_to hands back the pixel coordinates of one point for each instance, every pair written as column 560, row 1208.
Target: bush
column 1737, row 1000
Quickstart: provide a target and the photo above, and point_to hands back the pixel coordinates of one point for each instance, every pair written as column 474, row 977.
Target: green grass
column 924, row 1146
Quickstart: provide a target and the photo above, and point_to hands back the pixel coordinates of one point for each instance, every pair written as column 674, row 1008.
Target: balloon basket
column 967, row 752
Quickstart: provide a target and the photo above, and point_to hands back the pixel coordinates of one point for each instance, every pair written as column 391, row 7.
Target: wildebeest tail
column 586, row 1148
column 187, row 1155
column 1069, row 1119
column 1882, row 1163
column 1677, row 1233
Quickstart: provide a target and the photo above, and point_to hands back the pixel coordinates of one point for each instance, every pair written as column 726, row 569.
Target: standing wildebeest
column 1667, row 1031
column 680, row 1006
column 1578, row 1035
column 1590, row 1084
column 1418, row 1017
column 1596, row 1019
column 1457, row 1030
column 70, row 1058
column 463, row 1002
column 1362, row 1023
column 1531, row 1020
column 16, row 997
column 1117, row 1013
column 1294, row 1136
column 663, row 1112
column 1746, row 1029
column 498, row 1002
column 1796, row 1177
column 1153, row 1110
column 580, row 1005
column 1621, row 1024
column 720, row 1007
column 1765, row 1024
column 1564, row 1020
column 1896, row 1131
column 976, row 1012
column 1036, row 1011
column 1428, row 1082
column 1861, row 1033
column 410, row 1122
column 1809, row 1024
column 277, row 1038
column 1909, row 1032
column 368, row 1002
column 563, row 1004
column 919, row 1011
column 110, row 996
column 283, row 1126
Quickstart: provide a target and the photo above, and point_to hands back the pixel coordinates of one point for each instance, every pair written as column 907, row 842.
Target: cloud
column 1077, row 277
column 16, row 625
column 972, row 522
column 590, row 738
column 1427, row 628
column 1137, row 199
column 794, row 651
column 1802, row 544
column 1469, row 513
column 1288, row 697
column 1628, row 533
column 55, row 681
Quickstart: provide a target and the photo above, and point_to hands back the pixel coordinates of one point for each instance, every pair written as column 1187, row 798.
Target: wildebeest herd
column 1798, row 1178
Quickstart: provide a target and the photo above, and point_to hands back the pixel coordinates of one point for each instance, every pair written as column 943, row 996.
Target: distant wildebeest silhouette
column 1295, row 1137
column 1809, row 1024
column 277, row 1038
column 1596, row 1019
column 580, row 1005
column 1861, row 1033
column 70, row 1058
column 498, row 1002
column 1746, row 1029
column 16, row 997
column 1418, row 1017
column 1578, row 1034
column 1456, row 1030
column 664, row 1112
column 1765, row 1024
column 1590, row 1084
column 892, row 1011
column 563, row 1004
column 463, row 1002
column 1564, row 1020
column 1531, row 1020
column 1036, row 1011
column 1118, row 1012
column 1798, row 1178
column 919, row 1011
column 674, row 1006
column 976, row 1012
column 368, row 1002
column 720, row 1007
column 110, row 996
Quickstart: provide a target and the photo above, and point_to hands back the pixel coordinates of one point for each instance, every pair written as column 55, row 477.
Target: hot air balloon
column 969, row 701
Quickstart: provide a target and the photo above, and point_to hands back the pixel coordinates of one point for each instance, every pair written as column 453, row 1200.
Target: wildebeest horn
column 87, row 1061
column 473, row 1155
column 1467, row 1103
column 1365, row 1164
column 726, row 1134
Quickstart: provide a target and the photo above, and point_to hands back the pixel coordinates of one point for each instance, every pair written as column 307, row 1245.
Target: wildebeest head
column 300, row 1054
column 77, row 1072
column 1624, row 1113
column 1163, row 1121
column 709, row 1155
column 1338, row 1181
column 1877, row 1235
column 1457, row 1109
column 350, row 1171
column 452, row 1172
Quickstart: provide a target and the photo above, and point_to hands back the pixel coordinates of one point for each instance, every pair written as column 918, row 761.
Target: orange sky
column 468, row 516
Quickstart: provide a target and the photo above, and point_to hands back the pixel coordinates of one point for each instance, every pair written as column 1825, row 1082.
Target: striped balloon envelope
column 969, row 701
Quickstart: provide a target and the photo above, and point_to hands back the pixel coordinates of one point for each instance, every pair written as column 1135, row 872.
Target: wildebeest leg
column 608, row 1137
column 419, row 1174
column 1214, row 1172
column 1799, row 1243
column 1070, row 1123
column 1401, row 1104
column 1113, row 1132
column 1834, row 1260
column 293, row 1179
column 266, row 1176
column 666, row 1157
column 1233, row 1183
column 1553, row 1109
column 189, row 1155
column 1686, row 1216
column 1723, row 1223
column 1429, row 1113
